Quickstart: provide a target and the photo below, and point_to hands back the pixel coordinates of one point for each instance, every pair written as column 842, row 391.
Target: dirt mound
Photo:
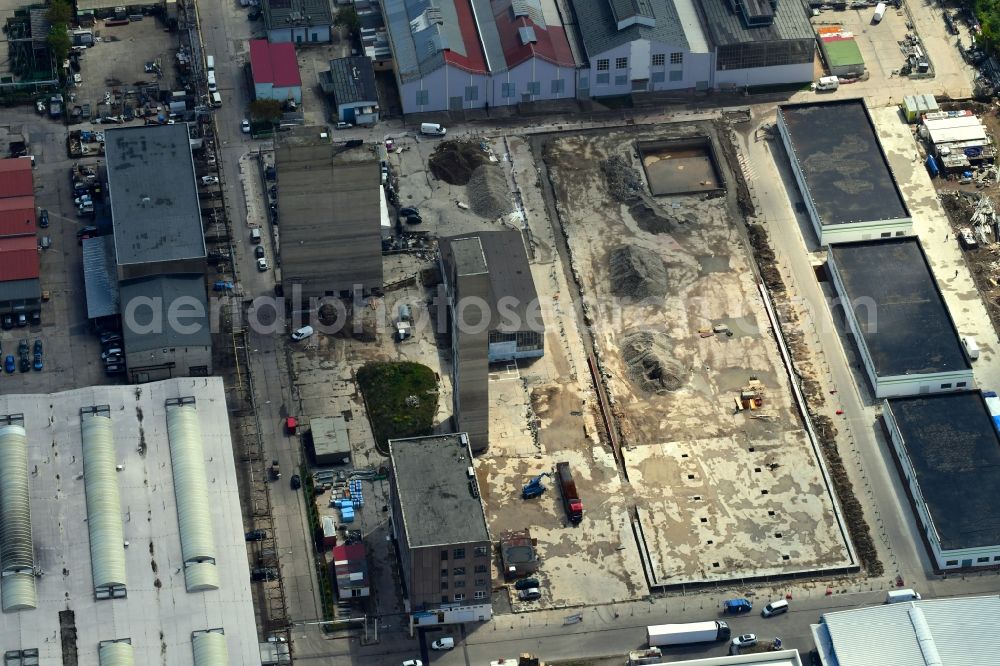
column 455, row 161
column 637, row 272
column 489, row 195
column 622, row 179
column 650, row 364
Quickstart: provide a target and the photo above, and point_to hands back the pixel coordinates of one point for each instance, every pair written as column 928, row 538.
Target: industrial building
column 844, row 177
column 906, row 339
column 329, row 441
column 297, row 21
column 158, row 254
column 915, row 106
column 350, row 571
column 134, row 549
column 840, row 52
column 439, row 526
column 351, row 83
column 957, row 139
column 331, row 233
column 957, row 632
column 20, row 288
column 949, row 451
column 487, row 267
column 275, row 71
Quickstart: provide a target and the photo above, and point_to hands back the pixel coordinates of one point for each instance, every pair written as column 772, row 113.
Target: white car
column 413, row 662
column 746, row 640
column 445, row 643
column 245, row 126
column 302, row 333
column 343, row 125
column 262, row 264
column 209, row 180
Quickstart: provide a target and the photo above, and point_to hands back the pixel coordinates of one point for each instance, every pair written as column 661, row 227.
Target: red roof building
column 18, row 258
column 15, row 178
column 351, row 571
column 275, row 71
column 523, row 38
column 17, row 216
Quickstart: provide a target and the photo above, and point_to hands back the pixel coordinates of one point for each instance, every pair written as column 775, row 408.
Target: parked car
column 270, row 173
column 256, row 535
column 25, row 363
column 245, row 126
column 414, row 219
column 775, row 608
column 37, row 365
column 530, row 594
column 745, row 640
column 36, row 317
column 37, row 347
column 209, row 180
column 83, row 231
column 22, row 319
column 114, row 368
column 9, row 364
column 443, row 643
column 296, row 482
column 264, row 573
column 110, row 337
column 43, row 219
column 526, row 584
column 22, row 346
column 302, row 333
column 413, row 662
column 259, row 252
column 113, row 351
column 7, row 322
column 45, row 242
column 343, row 126
column 222, row 285
column 262, row 264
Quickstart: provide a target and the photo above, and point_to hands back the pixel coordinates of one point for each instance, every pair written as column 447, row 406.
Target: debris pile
column 455, row 161
column 489, row 195
column 637, row 272
column 623, row 181
column 650, row 365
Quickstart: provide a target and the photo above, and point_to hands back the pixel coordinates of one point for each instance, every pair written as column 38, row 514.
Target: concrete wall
column 537, row 71
column 314, row 34
column 902, row 385
column 268, row 91
column 446, row 90
column 157, row 364
column 765, row 76
column 943, row 559
column 695, row 70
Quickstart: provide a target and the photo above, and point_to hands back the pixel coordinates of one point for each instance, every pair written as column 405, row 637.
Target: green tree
column 267, row 110
column 59, row 42
column 347, row 18
column 59, row 12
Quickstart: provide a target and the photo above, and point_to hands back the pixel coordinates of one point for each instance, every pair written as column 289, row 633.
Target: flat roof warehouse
column 839, row 156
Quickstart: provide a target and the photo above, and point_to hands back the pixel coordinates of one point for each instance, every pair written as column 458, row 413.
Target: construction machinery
column 535, row 487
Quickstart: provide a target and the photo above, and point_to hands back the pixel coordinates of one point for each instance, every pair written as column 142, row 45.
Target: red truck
column 571, row 499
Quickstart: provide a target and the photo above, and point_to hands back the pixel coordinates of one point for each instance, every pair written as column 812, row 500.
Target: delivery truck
column 571, row 498
column 879, row 12
column 690, row 632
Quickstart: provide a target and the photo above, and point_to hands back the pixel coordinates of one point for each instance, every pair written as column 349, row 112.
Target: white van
column 211, row 82
column 432, row 129
column 216, row 99
column 879, row 12
column 775, row 608
column 971, row 347
column 446, row 643
column 827, row 83
column 255, row 235
column 210, row 63
column 895, row 596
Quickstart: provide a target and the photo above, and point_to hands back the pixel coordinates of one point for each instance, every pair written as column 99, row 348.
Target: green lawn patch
column 401, row 399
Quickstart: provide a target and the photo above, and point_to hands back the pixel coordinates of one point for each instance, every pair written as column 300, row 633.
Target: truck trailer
column 570, row 497
column 689, row 632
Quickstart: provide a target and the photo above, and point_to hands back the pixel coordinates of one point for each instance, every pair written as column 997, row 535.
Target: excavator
column 534, row 488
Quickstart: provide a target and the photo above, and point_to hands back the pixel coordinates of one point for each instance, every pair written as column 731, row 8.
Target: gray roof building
column 100, row 277
column 296, row 13
column 350, row 80
column 755, row 21
column 608, row 24
column 330, row 442
column 146, row 313
column 154, row 196
column 439, row 500
column 13, row 292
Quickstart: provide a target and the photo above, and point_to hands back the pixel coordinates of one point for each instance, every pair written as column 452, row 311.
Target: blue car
column 222, row 285
column 38, row 362
column 9, row 364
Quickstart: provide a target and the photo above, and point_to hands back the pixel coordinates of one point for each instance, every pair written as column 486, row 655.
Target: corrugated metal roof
column 200, row 576
column 600, row 32
column 17, row 216
column 961, row 631
column 20, row 290
column 427, row 33
column 274, row 63
column 16, row 178
column 184, row 293
column 100, row 277
column 18, row 258
column 104, row 513
column 118, row 653
column 959, row 128
column 726, row 28
column 190, row 489
column 296, row 13
column 210, row 648
column 352, row 80
column 17, row 552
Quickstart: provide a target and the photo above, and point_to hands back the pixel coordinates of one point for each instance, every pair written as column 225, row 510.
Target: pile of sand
column 455, row 161
column 489, row 195
column 650, row 364
column 637, row 272
column 623, row 181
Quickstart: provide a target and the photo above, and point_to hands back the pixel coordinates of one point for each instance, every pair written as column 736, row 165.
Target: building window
column 659, row 77
column 444, row 573
column 558, row 86
column 508, row 89
column 459, row 584
column 423, row 97
column 458, row 571
column 676, row 75
column 534, row 88
column 621, row 80
column 444, row 585
column 482, row 551
column 584, row 82
column 603, row 65
column 997, row 558
column 886, row 234
column 603, row 79
column 479, row 594
column 952, row 563
column 659, row 59
column 444, row 555
column 471, row 93
column 458, row 554
column 480, row 582
column 676, row 58
column 899, row 233
column 480, row 568
column 983, row 559
column 945, row 386
column 960, row 385
column 621, row 63
column 459, row 596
